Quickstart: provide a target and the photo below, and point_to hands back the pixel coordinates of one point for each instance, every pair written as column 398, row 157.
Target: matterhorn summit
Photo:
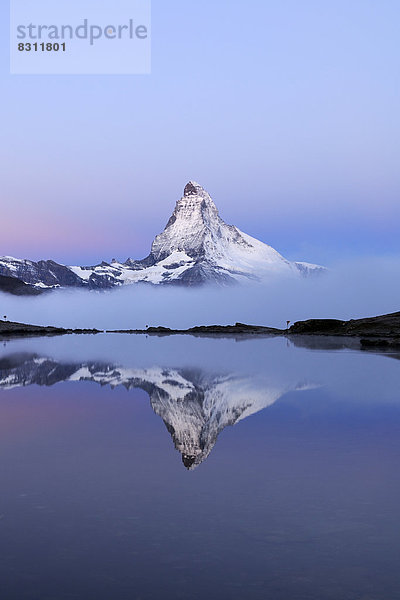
column 194, row 227
column 196, row 247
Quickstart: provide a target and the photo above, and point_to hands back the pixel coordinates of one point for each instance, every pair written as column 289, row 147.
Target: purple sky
column 287, row 112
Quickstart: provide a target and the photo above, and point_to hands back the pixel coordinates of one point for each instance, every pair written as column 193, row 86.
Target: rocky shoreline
column 207, row 331
column 8, row 329
column 380, row 331
column 373, row 332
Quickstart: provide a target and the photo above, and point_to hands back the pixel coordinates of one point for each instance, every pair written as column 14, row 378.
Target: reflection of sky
column 299, row 501
column 287, row 112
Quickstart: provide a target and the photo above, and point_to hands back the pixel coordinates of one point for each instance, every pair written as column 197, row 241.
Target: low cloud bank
column 351, row 289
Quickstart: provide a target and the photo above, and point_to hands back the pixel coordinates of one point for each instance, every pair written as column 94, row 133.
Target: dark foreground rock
column 382, row 331
column 208, row 330
column 385, row 326
column 10, row 329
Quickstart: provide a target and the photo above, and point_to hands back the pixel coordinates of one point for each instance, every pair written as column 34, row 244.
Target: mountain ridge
column 196, row 247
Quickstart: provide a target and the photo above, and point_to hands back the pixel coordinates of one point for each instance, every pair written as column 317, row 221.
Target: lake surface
column 149, row 468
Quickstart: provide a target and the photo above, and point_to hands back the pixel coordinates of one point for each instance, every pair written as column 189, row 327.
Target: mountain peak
column 196, row 246
column 192, row 188
column 194, row 191
column 194, row 221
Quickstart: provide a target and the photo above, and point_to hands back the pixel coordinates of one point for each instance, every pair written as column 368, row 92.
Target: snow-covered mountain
column 195, row 404
column 196, row 247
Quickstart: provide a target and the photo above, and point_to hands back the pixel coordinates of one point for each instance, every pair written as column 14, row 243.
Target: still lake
column 144, row 468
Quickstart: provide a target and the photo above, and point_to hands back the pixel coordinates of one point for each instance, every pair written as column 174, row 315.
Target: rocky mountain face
column 13, row 285
column 195, row 405
column 44, row 274
column 196, row 247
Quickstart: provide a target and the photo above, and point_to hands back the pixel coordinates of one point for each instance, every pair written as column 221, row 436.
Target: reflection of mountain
column 195, row 405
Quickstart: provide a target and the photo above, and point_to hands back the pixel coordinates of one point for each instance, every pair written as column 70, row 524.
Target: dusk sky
column 286, row 112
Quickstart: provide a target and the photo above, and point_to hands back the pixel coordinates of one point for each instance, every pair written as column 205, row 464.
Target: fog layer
column 349, row 290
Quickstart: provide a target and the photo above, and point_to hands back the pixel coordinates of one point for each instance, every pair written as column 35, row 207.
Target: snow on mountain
column 196, row 247
column 195, row 404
